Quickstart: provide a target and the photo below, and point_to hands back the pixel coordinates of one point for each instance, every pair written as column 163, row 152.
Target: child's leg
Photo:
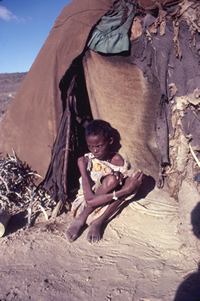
column 94, row 234
column 76, row 225
column 109, row 183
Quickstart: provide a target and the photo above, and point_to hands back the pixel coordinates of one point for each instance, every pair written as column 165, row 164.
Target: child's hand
column 119, row 176
column 132, row 184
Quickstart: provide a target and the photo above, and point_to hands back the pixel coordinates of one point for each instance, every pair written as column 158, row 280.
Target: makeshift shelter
column 147, row 77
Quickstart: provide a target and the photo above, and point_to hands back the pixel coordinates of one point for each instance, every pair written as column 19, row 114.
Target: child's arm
column 131, row 185
column 86, row 181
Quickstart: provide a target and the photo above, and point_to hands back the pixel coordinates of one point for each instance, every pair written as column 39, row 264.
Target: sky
column 24, row 27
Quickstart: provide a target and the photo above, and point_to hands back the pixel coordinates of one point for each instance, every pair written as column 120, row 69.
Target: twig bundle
column 18, row 191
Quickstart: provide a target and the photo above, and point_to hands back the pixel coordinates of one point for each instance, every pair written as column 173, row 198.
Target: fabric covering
column 120, row 94
column 111, row 33
column 170, row 53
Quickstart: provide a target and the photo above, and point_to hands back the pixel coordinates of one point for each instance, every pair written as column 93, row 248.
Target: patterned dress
column 97, row 169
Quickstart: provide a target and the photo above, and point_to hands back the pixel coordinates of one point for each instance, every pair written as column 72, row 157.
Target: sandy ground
column 142, row 257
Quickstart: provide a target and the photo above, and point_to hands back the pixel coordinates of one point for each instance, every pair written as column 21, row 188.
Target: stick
column 195, row 157
column 45, row 214
column 57, row 209
column 30, row 210
column 59, row 206
column 67, row 148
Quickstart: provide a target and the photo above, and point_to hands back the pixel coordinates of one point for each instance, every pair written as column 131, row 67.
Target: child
column 105, row 183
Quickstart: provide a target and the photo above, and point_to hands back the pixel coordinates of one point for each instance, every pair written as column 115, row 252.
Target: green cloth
column 111, row 35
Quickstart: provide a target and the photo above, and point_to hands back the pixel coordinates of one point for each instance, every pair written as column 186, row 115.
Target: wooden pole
column 4, row 219
column 70, row 98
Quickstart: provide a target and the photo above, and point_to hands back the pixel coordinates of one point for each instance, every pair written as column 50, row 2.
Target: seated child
column 106, row 182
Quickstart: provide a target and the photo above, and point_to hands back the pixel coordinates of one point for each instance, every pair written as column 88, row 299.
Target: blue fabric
column 110, row 35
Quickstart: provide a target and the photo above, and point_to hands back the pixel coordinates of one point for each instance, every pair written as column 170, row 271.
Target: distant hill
column 9, row 85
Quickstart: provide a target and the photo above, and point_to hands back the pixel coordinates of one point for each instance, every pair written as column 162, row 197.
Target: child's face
column 99, row 146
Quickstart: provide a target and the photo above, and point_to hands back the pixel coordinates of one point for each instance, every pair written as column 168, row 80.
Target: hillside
column 9, row 85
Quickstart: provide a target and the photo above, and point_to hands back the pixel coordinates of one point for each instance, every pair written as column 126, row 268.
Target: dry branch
column 18, row 191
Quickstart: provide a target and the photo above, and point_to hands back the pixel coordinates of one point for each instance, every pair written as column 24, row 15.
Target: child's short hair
column 99, row 127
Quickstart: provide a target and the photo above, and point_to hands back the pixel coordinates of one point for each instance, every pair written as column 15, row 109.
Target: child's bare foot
column 73, row 231
column 94, row 235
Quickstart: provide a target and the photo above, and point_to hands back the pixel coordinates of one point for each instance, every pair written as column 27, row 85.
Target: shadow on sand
column 189, row 289
column 16, row 222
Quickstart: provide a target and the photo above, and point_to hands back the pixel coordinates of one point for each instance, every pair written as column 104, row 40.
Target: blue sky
column 24, row 27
